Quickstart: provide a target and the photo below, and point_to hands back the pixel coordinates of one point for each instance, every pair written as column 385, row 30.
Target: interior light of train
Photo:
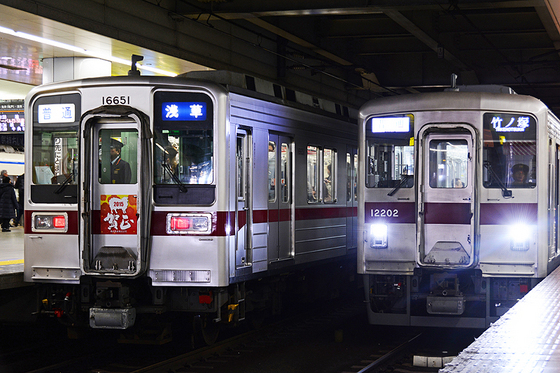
column 378, row 236
column 520, row 235
column 189, row 223
column 390, row 124
column 183, row 111
column 56, row 113
column 49, row 222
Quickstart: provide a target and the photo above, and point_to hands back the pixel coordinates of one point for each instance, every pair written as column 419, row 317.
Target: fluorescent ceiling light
column 39, row 39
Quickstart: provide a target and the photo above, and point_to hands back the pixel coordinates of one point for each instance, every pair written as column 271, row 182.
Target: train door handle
column 36, row 237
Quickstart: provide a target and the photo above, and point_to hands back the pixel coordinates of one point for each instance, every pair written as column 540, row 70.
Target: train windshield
column 510, row 149
column 390, row 152
column 183, row 138
column 55, row 140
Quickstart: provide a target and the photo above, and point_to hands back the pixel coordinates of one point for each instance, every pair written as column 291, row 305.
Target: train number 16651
column 115, row 100
column 385, row 213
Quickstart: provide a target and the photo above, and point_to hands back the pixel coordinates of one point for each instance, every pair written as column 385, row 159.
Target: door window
column 271, row 171
column 448, row 163
column 118, row 156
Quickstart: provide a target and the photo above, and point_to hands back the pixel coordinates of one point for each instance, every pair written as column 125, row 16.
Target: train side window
column 312, row 174
column 271, row 171
column 329, row 182
column 285, row 173
column 448, row 163
column 349, row 187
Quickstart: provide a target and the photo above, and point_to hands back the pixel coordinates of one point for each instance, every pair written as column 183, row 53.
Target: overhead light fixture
column 39, row 39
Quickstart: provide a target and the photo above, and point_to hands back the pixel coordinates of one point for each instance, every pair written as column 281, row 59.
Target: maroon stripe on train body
column 72, row 222
column 225, row 219
column 242, row 216
column 447, row 213
column 508, row 213
column 390, row 212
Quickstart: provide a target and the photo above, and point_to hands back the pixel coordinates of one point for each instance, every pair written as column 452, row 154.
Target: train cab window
column 271, row 171
column 390, row 152
column 448, row 163
column 118, row 156
column 54, row 147
column 183, row 139
column 312, row 174
column 389, row 165
column 55, row 155
column 509, row 150
column 329, row 173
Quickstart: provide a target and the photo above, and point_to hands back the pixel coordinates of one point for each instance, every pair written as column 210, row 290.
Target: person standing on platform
column 19, row 186
column 8, row 203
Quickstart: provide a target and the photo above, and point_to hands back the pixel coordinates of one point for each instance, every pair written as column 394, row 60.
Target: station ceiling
column 348, row 49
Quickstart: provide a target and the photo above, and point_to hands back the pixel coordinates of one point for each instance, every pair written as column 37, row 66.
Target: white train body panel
column 180, row 183
column 443, row 188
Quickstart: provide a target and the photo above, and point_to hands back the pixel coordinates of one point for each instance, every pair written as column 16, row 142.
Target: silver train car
column 458, row 204
column 152, row 194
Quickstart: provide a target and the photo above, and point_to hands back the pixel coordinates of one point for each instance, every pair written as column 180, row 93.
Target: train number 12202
column 115, row 100
column 384, row 213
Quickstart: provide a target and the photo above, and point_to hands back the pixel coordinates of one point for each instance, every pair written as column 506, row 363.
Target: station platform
column 525, row 339
column 11, row 258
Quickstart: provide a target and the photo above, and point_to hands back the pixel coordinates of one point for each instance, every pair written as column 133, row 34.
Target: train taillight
column 189, row 223
column 49, row 222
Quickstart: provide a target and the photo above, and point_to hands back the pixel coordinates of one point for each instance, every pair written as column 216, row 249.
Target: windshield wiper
column 63, row 185
column 506, row 193
column 182, row 187
column 404, row 179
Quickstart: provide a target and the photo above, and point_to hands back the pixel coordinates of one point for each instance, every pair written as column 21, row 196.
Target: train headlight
column 189, row 223
column 48, row 221
column 378, row 236
column 520, row 234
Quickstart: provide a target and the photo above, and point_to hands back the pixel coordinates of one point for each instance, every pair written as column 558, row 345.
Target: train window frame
column 390, row 135
column 329, row 163
column 272, row 169
column 442, row 160
column 509, row 145
column 170, row 147
column 44, row 144
column 313, row 177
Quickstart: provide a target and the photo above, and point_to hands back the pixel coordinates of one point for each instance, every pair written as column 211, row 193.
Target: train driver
column 120, row 169
column 519, row 173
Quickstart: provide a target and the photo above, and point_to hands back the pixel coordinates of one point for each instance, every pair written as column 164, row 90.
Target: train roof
column 452, row 100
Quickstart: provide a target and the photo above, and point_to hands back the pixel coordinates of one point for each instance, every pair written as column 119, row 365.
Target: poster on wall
column 118, row 214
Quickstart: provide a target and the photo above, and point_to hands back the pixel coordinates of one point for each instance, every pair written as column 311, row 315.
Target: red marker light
column 59, row 221
column 180, row 223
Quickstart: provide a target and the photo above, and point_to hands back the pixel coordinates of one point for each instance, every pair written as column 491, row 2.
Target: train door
column 351, row 197
column 243, row 190
column 113, row 197
column 446, row 229
column 280, row 214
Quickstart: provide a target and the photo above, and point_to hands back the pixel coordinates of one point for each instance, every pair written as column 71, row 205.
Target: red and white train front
column 458, row 205
column 101, row 152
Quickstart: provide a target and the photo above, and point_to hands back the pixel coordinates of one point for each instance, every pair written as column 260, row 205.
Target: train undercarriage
column 442, row 298
column 133, row 306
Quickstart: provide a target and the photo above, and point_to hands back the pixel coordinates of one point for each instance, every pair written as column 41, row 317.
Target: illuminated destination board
column 11, row 117
column 187, row 111
column 56, row 113
column 390, row 124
